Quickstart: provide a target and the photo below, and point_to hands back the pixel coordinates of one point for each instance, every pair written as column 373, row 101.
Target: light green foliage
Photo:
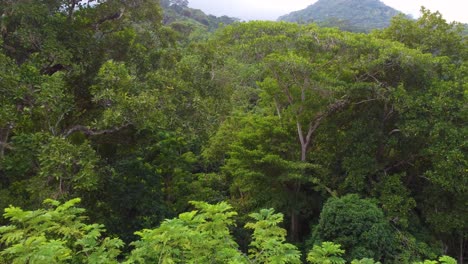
column 199, row 236
column 55, row 235
column 330, row 253
column 364, row 261
column 58, row 234
column 204, row 235
column 326, row 253
column 269, row 240
column 441, row 260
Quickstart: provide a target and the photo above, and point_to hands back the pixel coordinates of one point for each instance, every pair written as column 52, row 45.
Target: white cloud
column 451, row 10
column 250, row 9
column 272, row 9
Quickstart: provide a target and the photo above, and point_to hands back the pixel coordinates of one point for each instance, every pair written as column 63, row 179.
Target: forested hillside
column 258, row 142
column 349, row 15
column 180, row 17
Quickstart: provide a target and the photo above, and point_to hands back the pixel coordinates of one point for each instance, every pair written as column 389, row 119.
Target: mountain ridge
column 349, row 15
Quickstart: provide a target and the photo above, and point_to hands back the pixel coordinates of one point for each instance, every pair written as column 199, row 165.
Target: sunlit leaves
column 196, row 236
column 55, row 235
column 269, row 240
column 326, row 253
column 441, row 260
column 58, row 234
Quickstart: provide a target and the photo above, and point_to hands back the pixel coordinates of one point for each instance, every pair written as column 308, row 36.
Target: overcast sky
column 272, row 9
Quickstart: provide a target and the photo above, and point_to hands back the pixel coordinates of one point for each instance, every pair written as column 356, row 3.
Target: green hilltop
column 349, row 15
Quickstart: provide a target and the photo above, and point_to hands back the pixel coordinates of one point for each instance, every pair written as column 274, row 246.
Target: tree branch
column 114, row 16
column 91, row 132
column 314, row 124
column 278, row 111
column 366, row 101
column 71, row 8
column 4, row 141
column 301, row 134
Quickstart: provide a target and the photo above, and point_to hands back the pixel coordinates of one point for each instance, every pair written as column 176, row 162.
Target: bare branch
column 314, row 124
column 300, row 133
column 6, row 145
column 278, row 111
column 396, row 130
column 91, row 132
column 366, row 101
column 114, row 16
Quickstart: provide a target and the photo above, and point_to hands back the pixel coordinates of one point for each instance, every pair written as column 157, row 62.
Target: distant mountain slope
column 351, row 15
column 178, row 15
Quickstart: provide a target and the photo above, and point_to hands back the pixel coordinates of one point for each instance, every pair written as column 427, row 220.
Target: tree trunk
column 303, row 153
column 294, row 226
column 4, row 134
column 297, row 185
column 462, row 248
column 305, row 140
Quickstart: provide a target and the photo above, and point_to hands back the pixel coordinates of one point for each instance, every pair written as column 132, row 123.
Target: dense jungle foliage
column 358, row 141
